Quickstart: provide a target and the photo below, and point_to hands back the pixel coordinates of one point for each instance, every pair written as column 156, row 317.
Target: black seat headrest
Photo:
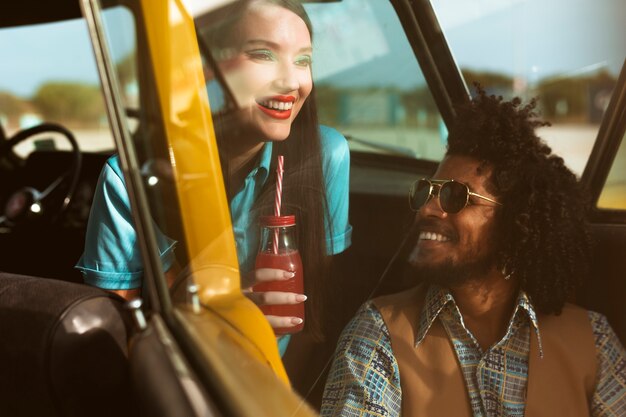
column 63, row 349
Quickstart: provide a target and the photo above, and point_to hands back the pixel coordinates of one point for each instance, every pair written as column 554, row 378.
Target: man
column 500, row 246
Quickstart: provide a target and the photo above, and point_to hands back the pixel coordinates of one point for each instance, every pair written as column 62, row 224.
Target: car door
column 200, row 347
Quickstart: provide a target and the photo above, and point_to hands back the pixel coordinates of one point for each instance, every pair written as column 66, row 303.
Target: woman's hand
column 265, row 275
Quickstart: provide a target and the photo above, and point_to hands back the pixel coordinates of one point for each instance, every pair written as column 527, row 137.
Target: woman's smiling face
column 270, row 74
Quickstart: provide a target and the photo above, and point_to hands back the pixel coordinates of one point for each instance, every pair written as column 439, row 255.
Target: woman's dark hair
column 304, row 191
column 304, row 194
column 541, row 231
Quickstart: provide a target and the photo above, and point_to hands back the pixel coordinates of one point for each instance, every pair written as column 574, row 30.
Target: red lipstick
column 278, row 107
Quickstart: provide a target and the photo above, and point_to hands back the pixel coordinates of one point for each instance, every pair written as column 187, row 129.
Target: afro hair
column 542, row 236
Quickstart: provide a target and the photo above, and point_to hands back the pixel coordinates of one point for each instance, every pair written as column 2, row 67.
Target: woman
column 264, row 53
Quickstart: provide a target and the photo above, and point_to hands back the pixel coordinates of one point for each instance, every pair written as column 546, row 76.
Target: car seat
column 63, row 349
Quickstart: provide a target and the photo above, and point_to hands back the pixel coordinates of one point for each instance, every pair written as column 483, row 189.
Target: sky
column 58, row 51
column 527, row 38
column 535, row 37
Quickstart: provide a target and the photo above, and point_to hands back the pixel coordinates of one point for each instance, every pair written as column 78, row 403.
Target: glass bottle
column 278, row 250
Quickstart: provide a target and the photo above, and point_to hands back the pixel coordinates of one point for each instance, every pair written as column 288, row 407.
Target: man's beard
column 450, row 274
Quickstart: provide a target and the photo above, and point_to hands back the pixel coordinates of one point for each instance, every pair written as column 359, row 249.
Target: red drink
column 289, row 261
column 278, row 251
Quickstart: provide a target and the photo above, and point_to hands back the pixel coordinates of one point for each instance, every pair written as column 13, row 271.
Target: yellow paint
column 613, row 197
column 257, row 391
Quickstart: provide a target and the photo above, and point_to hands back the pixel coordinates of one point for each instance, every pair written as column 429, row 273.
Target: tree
column 126, row 69
column 70, row 101
column 491, row 81
column 10, row 105
column 568, row 98
column 328, row 103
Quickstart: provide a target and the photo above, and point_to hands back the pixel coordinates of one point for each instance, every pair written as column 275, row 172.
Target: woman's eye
column 304, row 61
column 261, row 55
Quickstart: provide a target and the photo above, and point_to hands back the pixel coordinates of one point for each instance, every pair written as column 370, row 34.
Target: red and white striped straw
column 278, row 197
column 279, row 185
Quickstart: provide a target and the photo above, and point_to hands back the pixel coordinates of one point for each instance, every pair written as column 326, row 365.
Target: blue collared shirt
column 111, row 258
column 336, row 169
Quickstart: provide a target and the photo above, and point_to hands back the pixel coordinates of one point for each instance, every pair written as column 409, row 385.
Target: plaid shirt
column 365, row 381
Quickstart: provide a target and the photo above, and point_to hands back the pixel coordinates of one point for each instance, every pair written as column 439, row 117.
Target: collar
column 437, row 298
column 265, row 159
column 523, row 302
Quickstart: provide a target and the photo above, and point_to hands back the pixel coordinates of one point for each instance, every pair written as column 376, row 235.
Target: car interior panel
column 161, row 394
column 604, row 289
column 38, row 237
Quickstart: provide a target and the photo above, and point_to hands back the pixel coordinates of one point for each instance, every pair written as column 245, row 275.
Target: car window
column 49, row 75
column 369, row 84
column 613, row 195
column 122, row 42
column 567, row 53
column 369, row 88
column 171, row 169
column 147, row 131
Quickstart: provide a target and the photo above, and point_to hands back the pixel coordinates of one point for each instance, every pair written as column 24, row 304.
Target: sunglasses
column 454, row 196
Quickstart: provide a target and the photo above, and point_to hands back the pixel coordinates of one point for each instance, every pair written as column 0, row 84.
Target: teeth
column 277, row 105
column 433, row 236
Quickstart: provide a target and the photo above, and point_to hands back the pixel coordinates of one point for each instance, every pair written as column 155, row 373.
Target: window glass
column 613, row 194
column 369, row 84
column 566, row 52
column 124, row 53
column 369, row 88
column 49, row 75
column 145, row 120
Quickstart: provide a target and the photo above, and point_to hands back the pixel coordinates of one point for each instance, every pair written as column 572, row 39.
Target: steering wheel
column 28, row 205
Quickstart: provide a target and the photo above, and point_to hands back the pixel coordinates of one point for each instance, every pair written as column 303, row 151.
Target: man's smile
column 433, row 231
column 437, row 237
